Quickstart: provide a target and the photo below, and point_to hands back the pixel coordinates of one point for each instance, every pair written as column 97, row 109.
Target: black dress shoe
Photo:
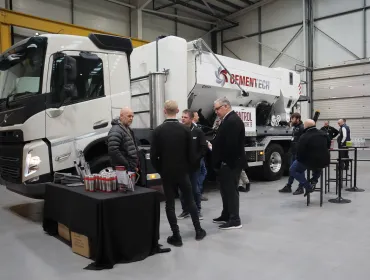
column 220, row 220
column 248, row 187
column 231, row 225
column 309, row 190
column 286, row 189
column 200, row 234
column 299, row 191
column 242, row 189
column 175, row 240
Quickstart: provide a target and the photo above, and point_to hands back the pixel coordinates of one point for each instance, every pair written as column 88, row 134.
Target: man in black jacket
column 313, row 153
column 331, row 131
column 122, row 146
column 296, row 134
column 229, row 158
column 171, row 154
column 200, row 149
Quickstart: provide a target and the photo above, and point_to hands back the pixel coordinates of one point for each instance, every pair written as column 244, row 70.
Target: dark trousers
column 194, row 176
column 344, row 155
column 229, row 180
column 170, row 184
column 291, row 178
column 297, row 171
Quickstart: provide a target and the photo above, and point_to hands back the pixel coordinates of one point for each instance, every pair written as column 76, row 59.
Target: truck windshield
column 21, row 69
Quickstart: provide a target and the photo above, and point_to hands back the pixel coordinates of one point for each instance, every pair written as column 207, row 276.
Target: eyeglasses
column 218, row 108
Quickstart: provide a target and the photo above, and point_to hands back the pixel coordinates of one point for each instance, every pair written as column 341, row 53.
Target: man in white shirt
column 344, row 136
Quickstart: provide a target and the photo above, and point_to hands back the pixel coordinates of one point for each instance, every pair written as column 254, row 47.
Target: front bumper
column 36, row 191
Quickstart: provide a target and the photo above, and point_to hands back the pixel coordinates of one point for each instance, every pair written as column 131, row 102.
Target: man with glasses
column 229, row 159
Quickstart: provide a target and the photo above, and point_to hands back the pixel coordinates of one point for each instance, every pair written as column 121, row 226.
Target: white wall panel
column 189, row 33
column 327, row 52
column 248, row 24
column 246, row 49
column 329, row 7
column 368, row 31
column 59, row 10
column 333, row 109
column 154, row 26
column 2, row 3
column 278, row 40
column 280, row 13
column 102, row 15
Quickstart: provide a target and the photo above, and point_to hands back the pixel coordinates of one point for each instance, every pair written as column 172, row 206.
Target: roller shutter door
column 344, row 92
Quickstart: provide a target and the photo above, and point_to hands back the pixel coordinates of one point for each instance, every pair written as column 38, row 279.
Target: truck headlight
column 32, row 164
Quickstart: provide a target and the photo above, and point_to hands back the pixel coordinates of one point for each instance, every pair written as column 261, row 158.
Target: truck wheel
column 100, row 164
column 274, row 166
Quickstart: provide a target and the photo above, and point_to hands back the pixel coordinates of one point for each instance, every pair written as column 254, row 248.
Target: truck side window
column 89, row 82
column 290, row 78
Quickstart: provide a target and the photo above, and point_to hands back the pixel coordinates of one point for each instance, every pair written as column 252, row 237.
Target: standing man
column 344, row 136
column 229, row 158
column 122, row 146
column 172, row 156
column 298, row 129
column 203, row 168
column 313, row 153
column 200, row 149
column 329, row 130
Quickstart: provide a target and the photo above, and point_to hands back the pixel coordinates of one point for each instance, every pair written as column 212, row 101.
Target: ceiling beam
column 201, row 10
column 178, row 21
column 248, row 9
column 212, row 6
column 230, row 4
column 164, row 6
column 145, row 4
column 177, row 16
column 247, row 2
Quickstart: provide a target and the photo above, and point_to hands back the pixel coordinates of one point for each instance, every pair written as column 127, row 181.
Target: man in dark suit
column 200, row 148
column 229, row 158
column 172, row 156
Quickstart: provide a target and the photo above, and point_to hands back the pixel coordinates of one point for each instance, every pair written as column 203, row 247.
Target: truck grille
column 11, row 136
column 11, row 162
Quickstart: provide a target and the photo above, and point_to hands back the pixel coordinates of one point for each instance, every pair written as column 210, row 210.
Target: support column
column 309, row 43
column 5, row 37
column 214, row 41
column 260, row 35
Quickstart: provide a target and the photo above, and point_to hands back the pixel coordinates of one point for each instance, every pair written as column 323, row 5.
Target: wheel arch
column 96, row 148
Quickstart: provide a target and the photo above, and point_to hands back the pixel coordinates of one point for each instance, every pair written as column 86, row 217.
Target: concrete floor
column 281, row 238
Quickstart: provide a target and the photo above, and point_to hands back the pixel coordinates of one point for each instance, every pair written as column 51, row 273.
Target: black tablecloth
column 121, row 227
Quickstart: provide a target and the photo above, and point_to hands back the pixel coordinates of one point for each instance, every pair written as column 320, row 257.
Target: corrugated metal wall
column 344, row 92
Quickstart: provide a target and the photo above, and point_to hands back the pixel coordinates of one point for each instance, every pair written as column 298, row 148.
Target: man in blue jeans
column 313, row 153
column 200, row 147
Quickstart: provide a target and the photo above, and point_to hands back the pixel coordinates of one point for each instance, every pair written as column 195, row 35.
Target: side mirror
column 70, row 76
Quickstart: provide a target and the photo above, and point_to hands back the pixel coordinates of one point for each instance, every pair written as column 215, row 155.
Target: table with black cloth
column 121, row 227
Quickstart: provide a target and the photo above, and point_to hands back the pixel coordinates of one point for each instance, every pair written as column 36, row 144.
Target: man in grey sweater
column 122, row 146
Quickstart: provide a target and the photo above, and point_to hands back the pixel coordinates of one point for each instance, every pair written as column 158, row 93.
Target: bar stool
column 318, row 189
column 346, row 178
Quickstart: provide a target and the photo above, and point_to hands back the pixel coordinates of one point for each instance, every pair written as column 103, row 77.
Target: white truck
column 59, row 94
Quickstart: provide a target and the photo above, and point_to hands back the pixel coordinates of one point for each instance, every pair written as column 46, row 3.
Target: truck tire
column 274, row 165
column 100, row 163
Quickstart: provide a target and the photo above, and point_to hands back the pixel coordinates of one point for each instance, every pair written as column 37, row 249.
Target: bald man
column 122, row 146
column 312, row 153
column 171, row 154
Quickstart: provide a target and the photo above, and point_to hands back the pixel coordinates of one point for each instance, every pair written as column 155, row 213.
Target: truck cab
column 58, row 96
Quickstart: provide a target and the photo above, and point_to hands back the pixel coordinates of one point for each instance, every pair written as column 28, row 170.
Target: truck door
column 74, row 121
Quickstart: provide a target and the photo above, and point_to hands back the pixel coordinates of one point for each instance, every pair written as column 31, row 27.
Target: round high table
column 355, row 188
column 340, row 199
